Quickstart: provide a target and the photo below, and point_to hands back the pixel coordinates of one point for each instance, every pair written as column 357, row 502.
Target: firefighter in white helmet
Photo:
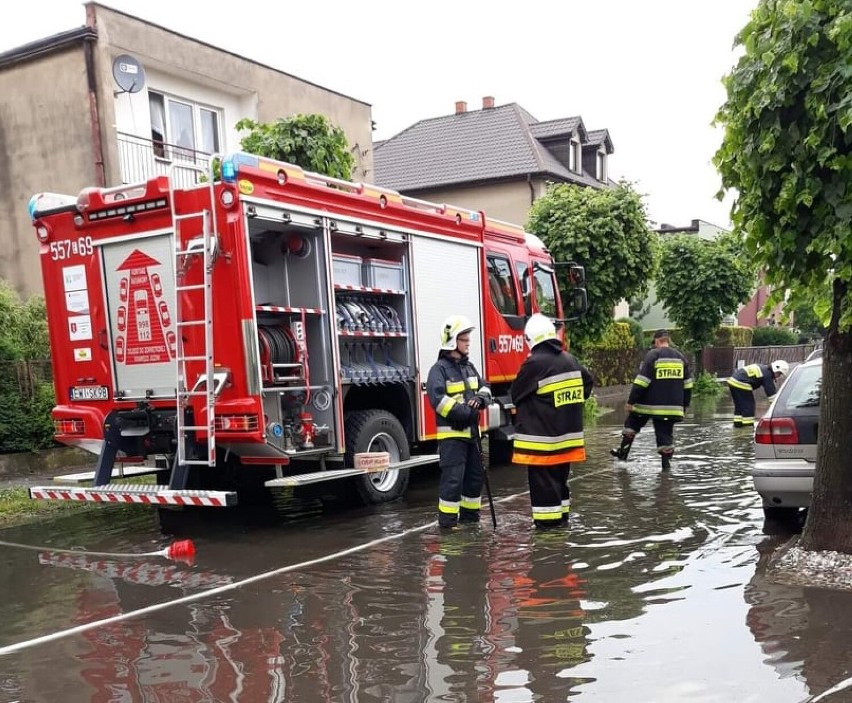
column 457, row 393
column 746, row 380
column 549, row 394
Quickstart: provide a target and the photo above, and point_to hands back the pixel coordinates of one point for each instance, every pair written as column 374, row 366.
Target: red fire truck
column 271, row 327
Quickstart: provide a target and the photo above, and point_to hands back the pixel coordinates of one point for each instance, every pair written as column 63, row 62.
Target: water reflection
column 803, row 632
column 651, row 595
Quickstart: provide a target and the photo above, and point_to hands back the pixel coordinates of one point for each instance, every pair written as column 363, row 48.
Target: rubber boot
column 666, row 460
column 624, row 449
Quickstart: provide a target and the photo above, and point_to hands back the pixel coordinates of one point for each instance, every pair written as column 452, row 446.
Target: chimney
column 487, row 102
column 461, row 106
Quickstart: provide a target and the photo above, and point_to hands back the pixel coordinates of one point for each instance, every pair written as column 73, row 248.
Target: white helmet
column 780, row 366
column 538, row 329
column 454, row 325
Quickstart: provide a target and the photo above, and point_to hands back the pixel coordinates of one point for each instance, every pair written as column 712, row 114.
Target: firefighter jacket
column 548, row 395
column 450, row 384
column 752, row 377
column 663, row 386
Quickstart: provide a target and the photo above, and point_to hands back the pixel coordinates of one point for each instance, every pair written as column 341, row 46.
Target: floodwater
column 656, row 592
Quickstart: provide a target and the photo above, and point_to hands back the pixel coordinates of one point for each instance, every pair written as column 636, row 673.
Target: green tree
column 699, row 282
column 606, row 231
column 786, row 151
column 309, row 141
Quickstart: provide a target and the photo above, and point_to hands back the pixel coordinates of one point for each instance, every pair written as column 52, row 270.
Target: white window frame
column 172, row 150
column 600, row 165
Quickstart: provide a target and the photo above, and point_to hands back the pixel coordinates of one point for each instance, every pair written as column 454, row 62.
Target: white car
column 785, row 443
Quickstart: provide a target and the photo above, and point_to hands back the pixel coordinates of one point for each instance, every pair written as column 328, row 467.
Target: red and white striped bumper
column 132, row 493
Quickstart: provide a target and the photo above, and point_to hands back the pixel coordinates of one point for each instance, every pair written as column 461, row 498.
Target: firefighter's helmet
column 780, row 366
column 539, row 328
column 453, row 326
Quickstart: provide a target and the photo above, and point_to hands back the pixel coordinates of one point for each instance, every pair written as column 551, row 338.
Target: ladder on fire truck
column 187, row 254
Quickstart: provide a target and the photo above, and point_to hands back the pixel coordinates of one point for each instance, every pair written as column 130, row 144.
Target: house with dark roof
column 119, row 100
column 498, row 159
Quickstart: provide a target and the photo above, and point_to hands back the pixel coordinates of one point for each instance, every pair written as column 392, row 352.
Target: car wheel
column 780, row 514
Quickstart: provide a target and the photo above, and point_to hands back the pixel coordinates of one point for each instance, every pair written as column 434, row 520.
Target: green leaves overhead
column 309, row 141
column 786, row 148
column 606, row 231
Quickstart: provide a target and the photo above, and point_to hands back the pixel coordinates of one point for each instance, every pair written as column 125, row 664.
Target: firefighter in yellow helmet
column 549, row 394
column 457, row 393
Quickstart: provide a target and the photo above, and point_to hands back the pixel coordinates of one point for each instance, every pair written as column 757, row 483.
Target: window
column 545, row 292
column 600, row 166
column 501, row 285
column 180, row 128
column 574, row 156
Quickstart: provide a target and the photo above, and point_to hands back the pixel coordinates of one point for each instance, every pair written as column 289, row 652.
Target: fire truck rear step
column 125, row 472
column 132, row 493
column 319, row 476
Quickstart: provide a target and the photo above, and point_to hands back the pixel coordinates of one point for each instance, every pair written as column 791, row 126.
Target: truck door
column 139, row 286
column 505, row 317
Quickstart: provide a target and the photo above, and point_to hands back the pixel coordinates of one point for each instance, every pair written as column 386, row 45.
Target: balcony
column 140, row 159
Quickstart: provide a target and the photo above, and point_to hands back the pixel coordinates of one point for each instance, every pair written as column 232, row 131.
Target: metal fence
column 140, row 159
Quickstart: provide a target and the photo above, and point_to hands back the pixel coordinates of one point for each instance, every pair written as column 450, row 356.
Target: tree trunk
column 829, row 523
column 699, row 363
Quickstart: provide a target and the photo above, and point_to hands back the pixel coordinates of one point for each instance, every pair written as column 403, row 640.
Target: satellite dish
column 128, row 74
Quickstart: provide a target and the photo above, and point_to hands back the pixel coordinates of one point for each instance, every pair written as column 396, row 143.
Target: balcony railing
column 140, row 159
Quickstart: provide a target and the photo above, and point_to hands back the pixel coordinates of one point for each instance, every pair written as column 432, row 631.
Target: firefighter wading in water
column 549, row 394
column 661, row 392
column 745, row 381
column 457, row 393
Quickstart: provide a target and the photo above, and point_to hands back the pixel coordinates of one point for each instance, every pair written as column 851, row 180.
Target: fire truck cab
column 271, row 327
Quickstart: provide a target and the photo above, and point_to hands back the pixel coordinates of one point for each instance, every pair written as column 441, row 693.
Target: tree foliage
column 606, row 231
column 786, row 150
column 309, row 141
column 699, row 282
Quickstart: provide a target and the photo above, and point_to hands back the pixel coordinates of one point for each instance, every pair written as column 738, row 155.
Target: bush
column 706, row 386
column 733, row 337
column 635, row 330
column 617, row 336
column 773, row 337
column 591, row 409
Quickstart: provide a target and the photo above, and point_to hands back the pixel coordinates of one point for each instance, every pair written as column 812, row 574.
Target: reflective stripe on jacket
column 450, row 384
column 548, row 395
column 663, row 386
column 752, row 377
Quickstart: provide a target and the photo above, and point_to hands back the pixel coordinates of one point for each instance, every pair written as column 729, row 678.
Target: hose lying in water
column 182, row 549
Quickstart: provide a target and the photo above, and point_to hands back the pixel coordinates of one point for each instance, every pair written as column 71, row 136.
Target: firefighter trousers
column 460, row 490
column 550, row 495
column 663, row 430
column 743, row 406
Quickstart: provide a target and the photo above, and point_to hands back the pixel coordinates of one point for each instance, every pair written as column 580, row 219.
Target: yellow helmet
column 453, row 326
column 538, row 329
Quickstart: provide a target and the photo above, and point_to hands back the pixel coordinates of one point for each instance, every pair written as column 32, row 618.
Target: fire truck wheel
column 377, row 431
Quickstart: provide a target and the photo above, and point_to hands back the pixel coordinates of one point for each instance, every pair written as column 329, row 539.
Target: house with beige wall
column 498, row 159
column 73, row 115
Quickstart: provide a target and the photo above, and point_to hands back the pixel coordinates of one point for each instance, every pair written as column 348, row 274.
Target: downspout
column 92, row 83
column 532, row 188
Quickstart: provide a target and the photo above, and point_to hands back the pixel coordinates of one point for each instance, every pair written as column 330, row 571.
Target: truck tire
column 377, row 431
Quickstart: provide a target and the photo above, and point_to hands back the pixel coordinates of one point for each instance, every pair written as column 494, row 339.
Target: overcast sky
column 647, row 70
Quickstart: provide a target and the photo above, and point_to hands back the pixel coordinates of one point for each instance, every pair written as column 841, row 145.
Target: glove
column 464, row 420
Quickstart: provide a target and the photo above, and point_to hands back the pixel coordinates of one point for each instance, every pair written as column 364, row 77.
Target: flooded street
column 656, row 592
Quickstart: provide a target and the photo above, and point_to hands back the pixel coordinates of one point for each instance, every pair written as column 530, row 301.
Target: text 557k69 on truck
column 272, row 327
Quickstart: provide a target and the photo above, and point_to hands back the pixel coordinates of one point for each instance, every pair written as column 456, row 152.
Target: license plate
column 89, row 393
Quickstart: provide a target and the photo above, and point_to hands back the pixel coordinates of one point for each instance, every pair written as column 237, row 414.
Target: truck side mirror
column 576, row 275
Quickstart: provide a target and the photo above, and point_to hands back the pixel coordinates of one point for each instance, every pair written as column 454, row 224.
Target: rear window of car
column 805, row 389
